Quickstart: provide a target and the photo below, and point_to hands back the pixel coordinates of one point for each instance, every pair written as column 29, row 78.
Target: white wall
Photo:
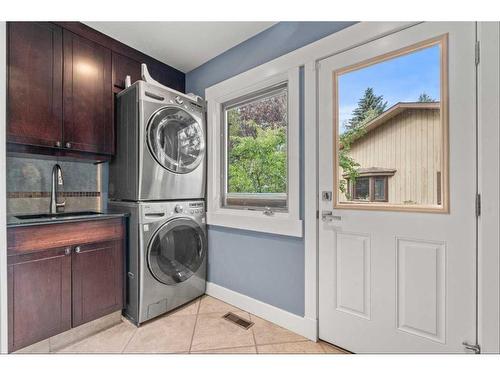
column 3, row 208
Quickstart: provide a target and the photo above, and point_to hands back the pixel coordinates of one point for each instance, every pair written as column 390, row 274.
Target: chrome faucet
column 57, row 180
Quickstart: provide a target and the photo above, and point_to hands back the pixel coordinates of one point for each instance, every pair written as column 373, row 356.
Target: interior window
column 256, row 170
column 392, row 129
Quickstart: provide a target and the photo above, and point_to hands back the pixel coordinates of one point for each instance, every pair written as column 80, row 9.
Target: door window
column 391, row 130
column 176, row 140
column 176, row 251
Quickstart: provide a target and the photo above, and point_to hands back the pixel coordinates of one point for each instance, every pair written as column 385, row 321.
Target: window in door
column 392, row 130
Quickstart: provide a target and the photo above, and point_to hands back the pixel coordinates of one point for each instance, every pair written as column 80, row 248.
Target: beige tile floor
column 199, row 328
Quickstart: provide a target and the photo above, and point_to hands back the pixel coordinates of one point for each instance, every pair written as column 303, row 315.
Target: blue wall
column 269, row 268
column 278, row 40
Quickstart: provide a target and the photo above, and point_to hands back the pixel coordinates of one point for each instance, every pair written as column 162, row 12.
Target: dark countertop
column 14, row 221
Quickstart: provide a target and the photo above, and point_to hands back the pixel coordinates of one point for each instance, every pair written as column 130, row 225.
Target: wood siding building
column 404, row 144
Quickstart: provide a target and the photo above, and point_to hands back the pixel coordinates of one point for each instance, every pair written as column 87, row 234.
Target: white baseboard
column 303, row 326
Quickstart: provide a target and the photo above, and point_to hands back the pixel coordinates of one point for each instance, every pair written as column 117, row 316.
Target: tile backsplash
column 29, row 184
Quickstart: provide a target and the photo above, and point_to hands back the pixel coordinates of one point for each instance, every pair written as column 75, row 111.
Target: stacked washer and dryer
column 158, row 177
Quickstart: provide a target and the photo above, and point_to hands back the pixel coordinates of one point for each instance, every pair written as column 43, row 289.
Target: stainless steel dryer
column 160, row 151
column 166, row 257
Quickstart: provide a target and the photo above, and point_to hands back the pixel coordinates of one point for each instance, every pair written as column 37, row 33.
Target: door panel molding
column 353, row 251
column 421, row 263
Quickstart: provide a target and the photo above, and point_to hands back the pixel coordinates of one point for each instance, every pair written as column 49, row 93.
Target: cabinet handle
column 58, row 144
column 68, row 145
column 67, row 251
column 78, row 249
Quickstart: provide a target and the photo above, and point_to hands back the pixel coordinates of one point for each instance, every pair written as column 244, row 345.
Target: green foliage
column 369, row 104
column 257, row 154
column 369, row 107
column 348, row 164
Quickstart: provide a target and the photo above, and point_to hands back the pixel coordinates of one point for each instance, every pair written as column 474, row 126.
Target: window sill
column 279, row 223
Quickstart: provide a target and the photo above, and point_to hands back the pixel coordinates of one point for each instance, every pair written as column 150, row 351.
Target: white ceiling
column 183, row 45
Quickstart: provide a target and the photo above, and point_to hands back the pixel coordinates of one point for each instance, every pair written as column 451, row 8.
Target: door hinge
column 473, row 348
column 477, row 53
column 478, row 205
column 317, row 214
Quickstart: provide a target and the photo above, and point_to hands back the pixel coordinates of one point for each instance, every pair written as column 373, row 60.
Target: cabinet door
column 34, row 104
column 122, row 67
column 97, row 280
column 88, row 97
column 39, row 293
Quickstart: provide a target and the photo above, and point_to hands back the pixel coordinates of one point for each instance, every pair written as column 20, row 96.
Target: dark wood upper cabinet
column 97, row 280
column 39, row 296
column 34, row 105
column 124, row 66
column 88, row 96
column 62, row 77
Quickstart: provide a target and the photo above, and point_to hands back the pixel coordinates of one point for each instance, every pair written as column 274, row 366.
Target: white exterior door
column 397, row 260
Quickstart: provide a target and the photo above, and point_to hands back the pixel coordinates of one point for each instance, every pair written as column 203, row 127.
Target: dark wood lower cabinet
column 97, row 280
column 61, row 276
column 39, row 287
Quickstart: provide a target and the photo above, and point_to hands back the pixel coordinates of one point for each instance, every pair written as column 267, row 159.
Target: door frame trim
column 488, row 92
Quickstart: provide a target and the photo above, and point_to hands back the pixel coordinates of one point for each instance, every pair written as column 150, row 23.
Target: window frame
column 371, row 189
column 276, row 222
column 252, row 198
column 385, row 179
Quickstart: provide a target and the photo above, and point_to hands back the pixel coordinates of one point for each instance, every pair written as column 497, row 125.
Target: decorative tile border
column 46, row 194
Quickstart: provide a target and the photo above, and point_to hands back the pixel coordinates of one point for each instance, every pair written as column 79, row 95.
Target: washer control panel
column 152, row 212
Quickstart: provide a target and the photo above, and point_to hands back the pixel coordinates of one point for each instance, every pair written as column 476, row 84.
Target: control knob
column 178, row 209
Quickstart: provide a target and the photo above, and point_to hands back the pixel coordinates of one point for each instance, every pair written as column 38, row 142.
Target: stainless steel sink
column 56, row 216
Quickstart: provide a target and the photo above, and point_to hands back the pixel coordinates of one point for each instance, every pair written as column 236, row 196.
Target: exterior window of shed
column 380, row 189
column 370, row 188
column 362, row 189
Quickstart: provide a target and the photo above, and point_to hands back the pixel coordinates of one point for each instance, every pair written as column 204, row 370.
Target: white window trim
column 284, row 223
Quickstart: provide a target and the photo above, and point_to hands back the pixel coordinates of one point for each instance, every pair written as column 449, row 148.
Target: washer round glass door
column 176, row 251
column 176, row 140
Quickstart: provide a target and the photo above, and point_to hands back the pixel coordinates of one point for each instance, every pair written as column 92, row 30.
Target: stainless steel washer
column 166, row 257
column 160, row 151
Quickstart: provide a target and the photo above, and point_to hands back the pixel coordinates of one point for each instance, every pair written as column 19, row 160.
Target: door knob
column 328, row 216
column 58, row 144
column 68, row 145
column 78, row 249
column 67, row 251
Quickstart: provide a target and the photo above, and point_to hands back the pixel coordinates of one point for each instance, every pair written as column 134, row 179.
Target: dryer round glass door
column 176, row 251
column 176, row 140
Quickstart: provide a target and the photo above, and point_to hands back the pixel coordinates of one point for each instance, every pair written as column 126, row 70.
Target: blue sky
column 400, row 79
